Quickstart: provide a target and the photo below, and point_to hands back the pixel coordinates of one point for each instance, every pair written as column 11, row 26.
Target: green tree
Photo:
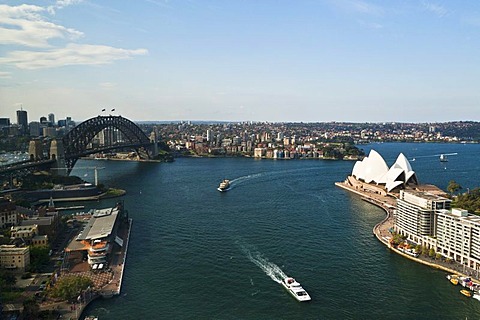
column 7, row 279
column 418, row 248
column 31, row 309
column 69, row 287
column 424, row 250
column 453, row 187
column 431, row 253
column 438, row 256
column 38, row 257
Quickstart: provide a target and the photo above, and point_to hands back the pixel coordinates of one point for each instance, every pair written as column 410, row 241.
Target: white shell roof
column 374, row 169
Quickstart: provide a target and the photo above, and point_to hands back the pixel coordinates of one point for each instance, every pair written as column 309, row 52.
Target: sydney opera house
column 372, row 174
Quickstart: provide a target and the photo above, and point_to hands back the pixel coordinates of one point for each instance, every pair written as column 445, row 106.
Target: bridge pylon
column 57, row 153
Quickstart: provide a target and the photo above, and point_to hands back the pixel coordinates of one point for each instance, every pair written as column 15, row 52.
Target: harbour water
column 196, row 253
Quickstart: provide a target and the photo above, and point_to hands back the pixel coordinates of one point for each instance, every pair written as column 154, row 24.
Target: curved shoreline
column 386, row 223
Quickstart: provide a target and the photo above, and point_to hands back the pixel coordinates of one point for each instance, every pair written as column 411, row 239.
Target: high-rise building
column 4, row 122
column 35, row 129
column 51, row 118
column 22, row 120
column 209, row 135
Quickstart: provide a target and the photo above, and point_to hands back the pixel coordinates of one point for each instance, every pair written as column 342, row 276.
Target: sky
column 242, row 60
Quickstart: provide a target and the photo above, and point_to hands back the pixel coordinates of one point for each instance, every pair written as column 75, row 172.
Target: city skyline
column 289, row 61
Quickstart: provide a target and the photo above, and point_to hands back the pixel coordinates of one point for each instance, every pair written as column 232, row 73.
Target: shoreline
column 381, row 230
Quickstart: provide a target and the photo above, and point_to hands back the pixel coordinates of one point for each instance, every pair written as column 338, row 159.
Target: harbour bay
column 199, row 253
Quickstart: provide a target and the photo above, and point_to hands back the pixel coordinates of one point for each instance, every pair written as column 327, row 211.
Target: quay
column 382, row 230
column 107, row 280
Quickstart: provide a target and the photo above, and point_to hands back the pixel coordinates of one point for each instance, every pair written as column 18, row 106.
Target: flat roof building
column 14, row 258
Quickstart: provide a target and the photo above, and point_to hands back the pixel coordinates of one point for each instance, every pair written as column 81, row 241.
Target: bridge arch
column 77, row 140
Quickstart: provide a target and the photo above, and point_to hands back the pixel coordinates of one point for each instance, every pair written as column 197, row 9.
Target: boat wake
column 270, row 268
column 241, row 180
column 270, row 175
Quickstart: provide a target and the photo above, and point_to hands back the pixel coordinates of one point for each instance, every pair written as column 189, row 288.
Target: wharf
column 117, row 265
column 111, row 280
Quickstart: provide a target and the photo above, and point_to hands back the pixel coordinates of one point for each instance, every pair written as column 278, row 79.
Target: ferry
column 295, row 289
column 224, row 185
column 466, row 293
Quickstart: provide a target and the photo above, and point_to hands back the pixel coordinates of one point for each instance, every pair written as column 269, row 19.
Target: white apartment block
column 428, row 220
column 415, row 215
column 458, row 237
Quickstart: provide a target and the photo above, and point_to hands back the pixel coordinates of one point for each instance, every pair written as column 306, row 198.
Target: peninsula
column 420, row 223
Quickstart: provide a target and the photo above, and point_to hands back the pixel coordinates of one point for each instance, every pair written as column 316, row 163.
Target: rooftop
column 100, row 225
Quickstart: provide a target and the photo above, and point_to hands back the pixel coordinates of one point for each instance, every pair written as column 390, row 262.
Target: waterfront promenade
column 106, row 283
column 382, row 232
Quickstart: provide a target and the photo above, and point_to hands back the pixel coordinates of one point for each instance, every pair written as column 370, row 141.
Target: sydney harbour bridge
column 118, row 133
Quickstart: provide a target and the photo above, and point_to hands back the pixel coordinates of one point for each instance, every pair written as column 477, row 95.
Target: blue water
column 196, row 253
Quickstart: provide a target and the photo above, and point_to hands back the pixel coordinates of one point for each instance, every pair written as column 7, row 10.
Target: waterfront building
column 415, row 216
column 14, row 258
column 458, row 237
column 8, row 213
column 95, row 242
column 259, row 152
column 374, row 170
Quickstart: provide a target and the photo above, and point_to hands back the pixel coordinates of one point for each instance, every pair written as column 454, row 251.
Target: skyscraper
column 22, row 120
column 51, row 118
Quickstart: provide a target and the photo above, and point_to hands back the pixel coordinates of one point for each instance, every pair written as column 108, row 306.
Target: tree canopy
column 70, row 287
column 469, row 201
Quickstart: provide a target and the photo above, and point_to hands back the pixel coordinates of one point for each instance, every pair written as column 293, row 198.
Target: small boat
column 224, row 185
column 443, row 158
column 476, row 296
column 454, row 281
column 466, row 293
column 295, row 289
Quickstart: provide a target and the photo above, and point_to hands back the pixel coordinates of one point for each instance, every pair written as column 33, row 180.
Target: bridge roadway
column 25, row 165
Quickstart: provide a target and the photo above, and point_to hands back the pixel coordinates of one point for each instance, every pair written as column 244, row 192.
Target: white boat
column 224, row 185
column 443, row 158
column 476, row 296
column 295, row 289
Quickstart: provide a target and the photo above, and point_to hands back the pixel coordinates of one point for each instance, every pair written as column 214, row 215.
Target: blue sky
column 316, row 60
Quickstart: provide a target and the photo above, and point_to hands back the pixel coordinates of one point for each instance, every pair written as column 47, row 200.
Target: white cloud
column 24, row 25
column 108, row 85
column 370, row 25
column 72, row 54
column 27, row 26
column 359, row 6
column 60, row 4
column 436, row 9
